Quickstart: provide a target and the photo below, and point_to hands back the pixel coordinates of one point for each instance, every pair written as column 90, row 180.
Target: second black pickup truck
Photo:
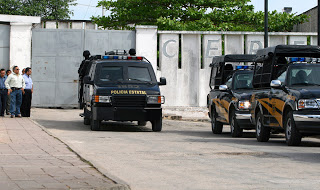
column 231, row 87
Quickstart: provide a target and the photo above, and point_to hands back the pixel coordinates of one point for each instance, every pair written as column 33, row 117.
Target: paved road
column 186, row 155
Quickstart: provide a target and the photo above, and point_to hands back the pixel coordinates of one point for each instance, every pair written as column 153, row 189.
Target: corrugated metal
column 56, row 57
column 4, row 45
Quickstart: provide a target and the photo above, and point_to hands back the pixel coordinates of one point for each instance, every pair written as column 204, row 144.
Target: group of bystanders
column 15, row 92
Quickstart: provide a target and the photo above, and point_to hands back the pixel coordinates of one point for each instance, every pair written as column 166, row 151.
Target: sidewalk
column 32, row 159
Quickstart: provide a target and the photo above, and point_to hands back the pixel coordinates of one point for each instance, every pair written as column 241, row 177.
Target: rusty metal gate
column 57, row 55
column 4, row 45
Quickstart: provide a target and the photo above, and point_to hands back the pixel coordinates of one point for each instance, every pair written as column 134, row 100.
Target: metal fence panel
column 4, row 45
column 57, row 55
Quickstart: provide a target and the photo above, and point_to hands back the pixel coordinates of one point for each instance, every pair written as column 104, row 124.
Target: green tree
column 47, row 9
column 201, row 15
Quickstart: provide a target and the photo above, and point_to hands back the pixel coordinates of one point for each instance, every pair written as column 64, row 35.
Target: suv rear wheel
column 262, row 132
column 157, row 125
column 216, row 126
column 293, row 137
column 236, row 131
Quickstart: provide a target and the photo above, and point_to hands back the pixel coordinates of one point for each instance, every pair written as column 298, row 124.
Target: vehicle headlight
column 155, row 99
column 102, row 99
column 307, row 104
column 244, row 104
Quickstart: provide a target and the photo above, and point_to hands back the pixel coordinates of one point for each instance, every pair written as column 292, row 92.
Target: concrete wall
column 188, row 84
column 20, row 39
column 311, row 25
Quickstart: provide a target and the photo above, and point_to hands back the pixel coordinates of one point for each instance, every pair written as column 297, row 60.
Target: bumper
column 244, row 119
column 307, row 123
column 126, row 113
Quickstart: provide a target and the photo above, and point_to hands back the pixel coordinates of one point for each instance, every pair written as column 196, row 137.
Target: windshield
column 304, row 75
column 111, row 74
column 139, row 74
column 243, row 81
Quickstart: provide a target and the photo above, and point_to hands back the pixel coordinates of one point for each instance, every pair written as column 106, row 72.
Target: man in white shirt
column 15, row 85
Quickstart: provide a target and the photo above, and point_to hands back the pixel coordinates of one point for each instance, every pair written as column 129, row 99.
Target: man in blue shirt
column 3, row 92
column 27, row 96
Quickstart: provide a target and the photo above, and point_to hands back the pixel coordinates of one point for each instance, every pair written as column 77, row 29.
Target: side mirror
column 223, row 87
column 163, row 81
column 275, row 84
column 87, row 80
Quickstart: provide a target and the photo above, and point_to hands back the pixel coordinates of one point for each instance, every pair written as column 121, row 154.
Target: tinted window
column 139, row 73
column 111, row 74
column 304, row 75
column 243, row 81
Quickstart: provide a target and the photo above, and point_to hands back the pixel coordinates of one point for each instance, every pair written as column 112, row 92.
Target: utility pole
column 103, row 10
column 318, row 22
column 266, row 23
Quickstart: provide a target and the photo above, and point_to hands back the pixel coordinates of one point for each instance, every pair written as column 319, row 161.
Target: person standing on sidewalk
column 15, row 85
column 27, row 96
column 8, row 72
column 3, row 92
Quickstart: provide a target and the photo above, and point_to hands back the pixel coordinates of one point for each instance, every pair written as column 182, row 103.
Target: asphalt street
column 186, row 155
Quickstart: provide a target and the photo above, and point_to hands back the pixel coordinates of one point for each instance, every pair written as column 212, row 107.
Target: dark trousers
column 8, row 104
column 3, row 101
column 26, row 103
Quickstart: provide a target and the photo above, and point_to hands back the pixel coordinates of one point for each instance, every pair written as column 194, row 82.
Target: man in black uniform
column 82, row 72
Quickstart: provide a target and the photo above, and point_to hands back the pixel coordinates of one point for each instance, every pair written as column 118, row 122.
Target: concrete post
column 146, row 43
column 20, row 48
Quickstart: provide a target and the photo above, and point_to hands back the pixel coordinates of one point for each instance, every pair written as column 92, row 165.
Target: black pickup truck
column 286, row 96
column 121, row 87
column 231, row 87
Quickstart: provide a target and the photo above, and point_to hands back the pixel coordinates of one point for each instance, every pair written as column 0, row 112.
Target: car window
column 282, row 77
column 229, row 83
column 139, row 74
column 243, row 81
column 111, row 73
column 304, row 75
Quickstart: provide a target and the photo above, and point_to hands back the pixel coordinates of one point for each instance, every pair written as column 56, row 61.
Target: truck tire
column 142, row 123
column 236, row 131
column 216, row 126
column 293, row 137
column 262, row 132
column 95, row 125
column 157, row 125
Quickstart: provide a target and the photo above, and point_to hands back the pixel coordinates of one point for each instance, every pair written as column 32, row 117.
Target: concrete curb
column 120, row 184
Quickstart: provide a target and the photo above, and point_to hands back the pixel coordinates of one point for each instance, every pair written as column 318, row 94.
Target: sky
column 87, row 8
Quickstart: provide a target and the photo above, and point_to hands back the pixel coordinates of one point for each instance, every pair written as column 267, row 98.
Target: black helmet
column 86, row 53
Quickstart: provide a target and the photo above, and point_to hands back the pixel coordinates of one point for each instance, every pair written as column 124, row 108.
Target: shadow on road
column 106, row 126
column 248, row 138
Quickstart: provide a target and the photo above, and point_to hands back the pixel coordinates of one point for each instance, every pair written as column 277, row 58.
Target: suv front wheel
column 95, row 125
column 157, row 125
column 216, row 126
column 236, row 131
column 293, row 137
column 262, row 132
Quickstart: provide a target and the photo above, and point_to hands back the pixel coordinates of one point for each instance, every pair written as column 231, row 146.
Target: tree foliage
column 47, row 9
column 200, row 15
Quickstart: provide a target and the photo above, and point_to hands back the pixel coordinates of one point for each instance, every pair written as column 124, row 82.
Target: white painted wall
column 20, row 45
column 147, row 42
column 20, row 38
